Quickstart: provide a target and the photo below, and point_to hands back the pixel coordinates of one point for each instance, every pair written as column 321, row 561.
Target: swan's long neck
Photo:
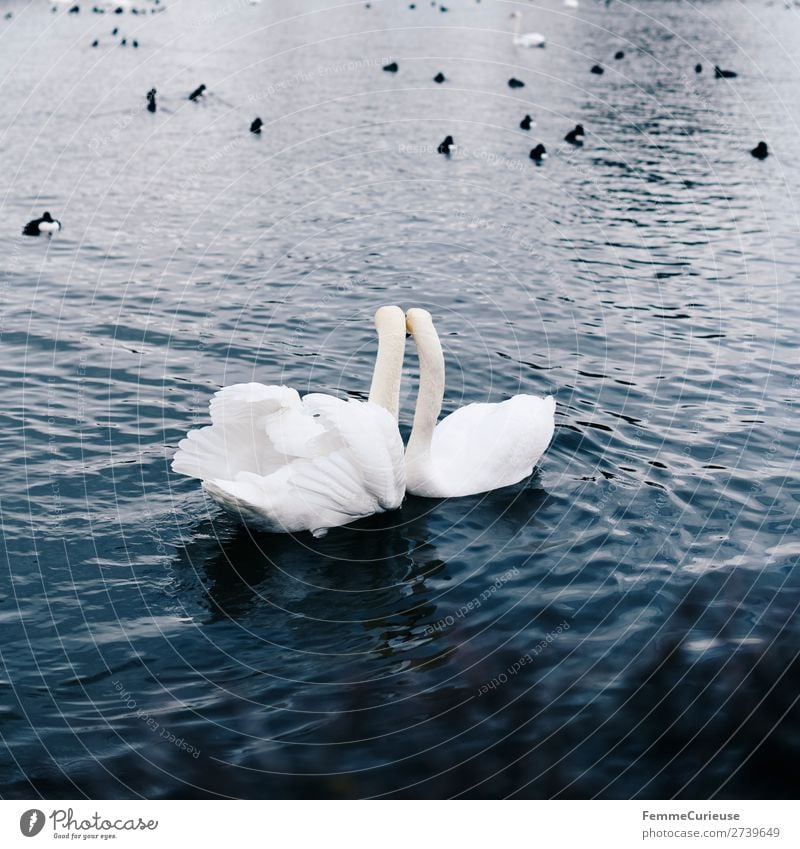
column 385, row 389
column 431, row 387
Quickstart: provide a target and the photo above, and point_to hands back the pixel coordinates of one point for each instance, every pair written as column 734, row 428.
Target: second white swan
column 526, row 39
column 478, row 448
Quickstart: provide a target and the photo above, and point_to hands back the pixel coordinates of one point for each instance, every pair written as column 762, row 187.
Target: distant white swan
column 284, row 463
column 526, row 39
column 477, row 448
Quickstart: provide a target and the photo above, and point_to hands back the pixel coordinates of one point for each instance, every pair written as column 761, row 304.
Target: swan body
column 526, row 39
column 285, row 464
column 478, row 448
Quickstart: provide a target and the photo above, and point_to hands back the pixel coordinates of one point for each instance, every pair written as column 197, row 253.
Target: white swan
column 477, row 448
column 286, row 464
column 526, row 39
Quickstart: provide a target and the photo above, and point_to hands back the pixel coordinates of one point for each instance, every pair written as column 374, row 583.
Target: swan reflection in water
column 375, row 586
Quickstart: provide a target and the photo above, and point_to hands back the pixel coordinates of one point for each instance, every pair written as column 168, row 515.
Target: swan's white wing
column 288, row 465
column 482, row 447
column 255, row 428
column 373, row 441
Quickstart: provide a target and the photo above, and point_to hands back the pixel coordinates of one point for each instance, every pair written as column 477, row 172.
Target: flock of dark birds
column 48, row 225
column 577, row 134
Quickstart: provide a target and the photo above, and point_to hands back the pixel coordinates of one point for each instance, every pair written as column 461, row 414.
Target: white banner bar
column 400, row 824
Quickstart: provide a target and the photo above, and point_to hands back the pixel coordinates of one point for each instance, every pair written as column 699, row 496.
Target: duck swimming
column 198, row 92
column 391, row 68
column 515, row 83
column 575, row 136
column 151, row 100
column 525, row 123
column 538, row 154
column 45, row 224
column 444, row 147
column 439, row 78
column 720, row 74
column 256, row 126
column 760, row 151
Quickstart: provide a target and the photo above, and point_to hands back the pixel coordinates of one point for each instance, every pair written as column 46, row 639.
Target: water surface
column 638, row 594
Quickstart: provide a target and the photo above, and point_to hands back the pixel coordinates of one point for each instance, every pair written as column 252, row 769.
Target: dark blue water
column 621, row 624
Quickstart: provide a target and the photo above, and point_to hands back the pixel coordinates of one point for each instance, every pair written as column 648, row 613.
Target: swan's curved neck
column 431, row 390
column 385, row 388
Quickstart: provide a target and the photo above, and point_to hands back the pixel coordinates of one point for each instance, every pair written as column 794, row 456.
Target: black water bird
column 95, row 43
column 124, row 42
column 45, row 224
column 198, row 92
column 135, row 43
column 151, row 100
column 256, row 126
column 698, row 68
column 515, row 83
column 575, row 136
column 597, row 69
column 538, row 154
column 74, row 10
column 439, row 78
column 115, row 31
column 620, row 54
column 525, row 123
column 720, row 74
column 444, row 147
column 760, row 151
column 392, row 67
